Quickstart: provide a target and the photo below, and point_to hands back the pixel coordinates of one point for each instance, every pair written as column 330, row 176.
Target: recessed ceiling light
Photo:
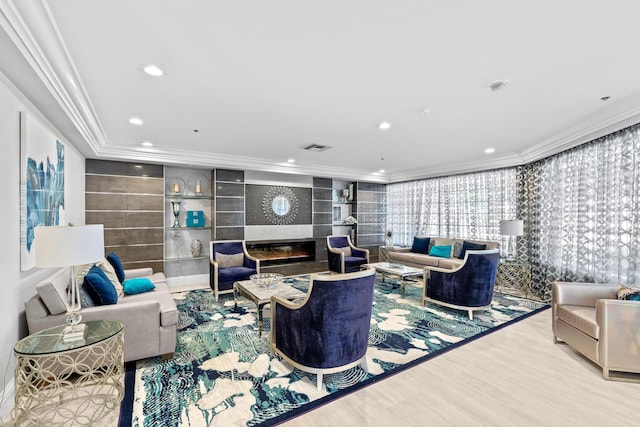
column 497, row 85
column 427, row 111
column 490, row 150
column 152, row 70
column 384, row 125
column 381, row 171
column 291, row 160
column 135, row 121
column 605, row 98
column 147, row 144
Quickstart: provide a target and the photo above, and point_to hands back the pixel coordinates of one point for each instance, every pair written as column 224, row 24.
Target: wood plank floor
column 513, row 377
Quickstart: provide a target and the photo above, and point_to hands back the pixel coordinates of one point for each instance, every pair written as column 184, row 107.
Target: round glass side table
column 69, row 383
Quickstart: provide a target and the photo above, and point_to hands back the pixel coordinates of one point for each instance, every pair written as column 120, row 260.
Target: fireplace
column 271, row 252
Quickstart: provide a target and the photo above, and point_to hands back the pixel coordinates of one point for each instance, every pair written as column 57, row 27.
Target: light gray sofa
column 419, row 260
column 150, row 319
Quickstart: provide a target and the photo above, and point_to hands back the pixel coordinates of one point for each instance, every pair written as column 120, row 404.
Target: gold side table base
column 70, row 388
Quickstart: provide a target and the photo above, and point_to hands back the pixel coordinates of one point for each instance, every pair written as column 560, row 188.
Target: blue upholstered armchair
column 466, row 287
column 343, row 256
column 329, row 330
column 229, row 262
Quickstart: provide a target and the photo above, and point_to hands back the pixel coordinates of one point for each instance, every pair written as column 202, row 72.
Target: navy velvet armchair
column 328, row 331
column 343, row 256
column 229, row 262
column 466, row 287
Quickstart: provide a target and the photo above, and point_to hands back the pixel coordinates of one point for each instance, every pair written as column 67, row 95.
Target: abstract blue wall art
column 41, row 184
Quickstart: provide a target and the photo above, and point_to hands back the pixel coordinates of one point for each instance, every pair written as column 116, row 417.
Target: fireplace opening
column 282, row 251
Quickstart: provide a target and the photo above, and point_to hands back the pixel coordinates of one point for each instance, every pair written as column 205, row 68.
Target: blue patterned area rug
column 222, row 375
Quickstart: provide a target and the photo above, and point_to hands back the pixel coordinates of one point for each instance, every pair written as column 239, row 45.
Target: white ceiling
column 259, row 80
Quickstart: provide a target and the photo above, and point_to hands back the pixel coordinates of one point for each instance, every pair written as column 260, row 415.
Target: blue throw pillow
column 420, row 245
column 99, row 287
column 441, row 251
column 117, row 265
column 137, row 285
column 469, row 246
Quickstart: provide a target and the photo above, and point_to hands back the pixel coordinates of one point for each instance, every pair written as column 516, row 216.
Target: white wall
column 16, row 286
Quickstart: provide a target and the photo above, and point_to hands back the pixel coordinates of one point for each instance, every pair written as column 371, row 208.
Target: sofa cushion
column 117, row 266
column 449, row 262
column 470, row 246
column 228, row 261
column 137, row 285
column 168, row 309
column 100, row 287
column 440, row 251
column 420, row 245
column 445, row 242
column 580, row 317
column 630, row 294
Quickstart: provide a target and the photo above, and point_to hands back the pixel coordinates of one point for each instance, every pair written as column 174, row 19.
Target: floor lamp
column 511, row 228
column 69, row 246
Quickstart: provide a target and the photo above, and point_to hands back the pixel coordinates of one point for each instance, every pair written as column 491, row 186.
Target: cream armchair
column 590, row 318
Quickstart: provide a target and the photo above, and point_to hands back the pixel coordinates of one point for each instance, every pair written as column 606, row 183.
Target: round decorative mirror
column 280, row 205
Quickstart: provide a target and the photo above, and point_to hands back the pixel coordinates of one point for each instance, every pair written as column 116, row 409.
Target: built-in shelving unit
column 371, row 211
column 191, row 189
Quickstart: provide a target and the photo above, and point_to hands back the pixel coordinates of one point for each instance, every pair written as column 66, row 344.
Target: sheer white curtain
column 462, row 206
column 582, row 212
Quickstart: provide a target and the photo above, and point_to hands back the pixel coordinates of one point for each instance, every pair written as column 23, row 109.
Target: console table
column 69, row 383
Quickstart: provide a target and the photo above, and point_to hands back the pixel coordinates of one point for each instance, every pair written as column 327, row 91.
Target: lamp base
column 74, row 332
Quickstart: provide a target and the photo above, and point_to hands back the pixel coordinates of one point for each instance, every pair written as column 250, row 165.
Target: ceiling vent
column 316, row 147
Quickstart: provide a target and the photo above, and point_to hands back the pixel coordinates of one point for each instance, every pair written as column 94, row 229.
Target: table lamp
column 511, row 228
column 69, row 246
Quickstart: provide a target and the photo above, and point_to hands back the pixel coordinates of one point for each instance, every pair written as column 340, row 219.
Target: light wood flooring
column 512, row 377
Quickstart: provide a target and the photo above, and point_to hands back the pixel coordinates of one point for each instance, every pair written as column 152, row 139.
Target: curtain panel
column 581, row 210
column 468, row 206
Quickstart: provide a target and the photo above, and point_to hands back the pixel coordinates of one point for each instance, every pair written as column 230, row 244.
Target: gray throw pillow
column 226, row 261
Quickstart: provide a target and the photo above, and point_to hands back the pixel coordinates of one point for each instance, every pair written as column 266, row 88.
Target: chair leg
column 470, row 314
column 319, row 381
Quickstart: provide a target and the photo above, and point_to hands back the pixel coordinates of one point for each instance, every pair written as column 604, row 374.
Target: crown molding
column 505, row 161
column 586, row 131
column 213, row 160
column 33, row 30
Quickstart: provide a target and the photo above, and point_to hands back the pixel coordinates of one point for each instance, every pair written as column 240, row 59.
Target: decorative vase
column 196, row 248
column 175, row 208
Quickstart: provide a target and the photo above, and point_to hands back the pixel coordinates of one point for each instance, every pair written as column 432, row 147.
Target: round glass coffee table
column 69, row 383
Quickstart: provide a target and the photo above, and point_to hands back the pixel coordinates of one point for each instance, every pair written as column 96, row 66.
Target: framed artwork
column 41, row 184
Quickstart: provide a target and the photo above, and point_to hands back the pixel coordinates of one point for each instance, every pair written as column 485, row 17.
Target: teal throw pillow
column 99, row 287
column 420, row 245
column 117, row 266
column 137, row 285
column 469, row 246
column 441, row 251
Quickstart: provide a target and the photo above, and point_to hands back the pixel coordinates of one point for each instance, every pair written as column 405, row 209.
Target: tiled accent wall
column 128, row 198
column 229, row 204
column 322, row 204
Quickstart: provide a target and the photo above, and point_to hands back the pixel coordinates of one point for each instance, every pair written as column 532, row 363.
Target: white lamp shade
column 511, row 227
column 66, row 246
